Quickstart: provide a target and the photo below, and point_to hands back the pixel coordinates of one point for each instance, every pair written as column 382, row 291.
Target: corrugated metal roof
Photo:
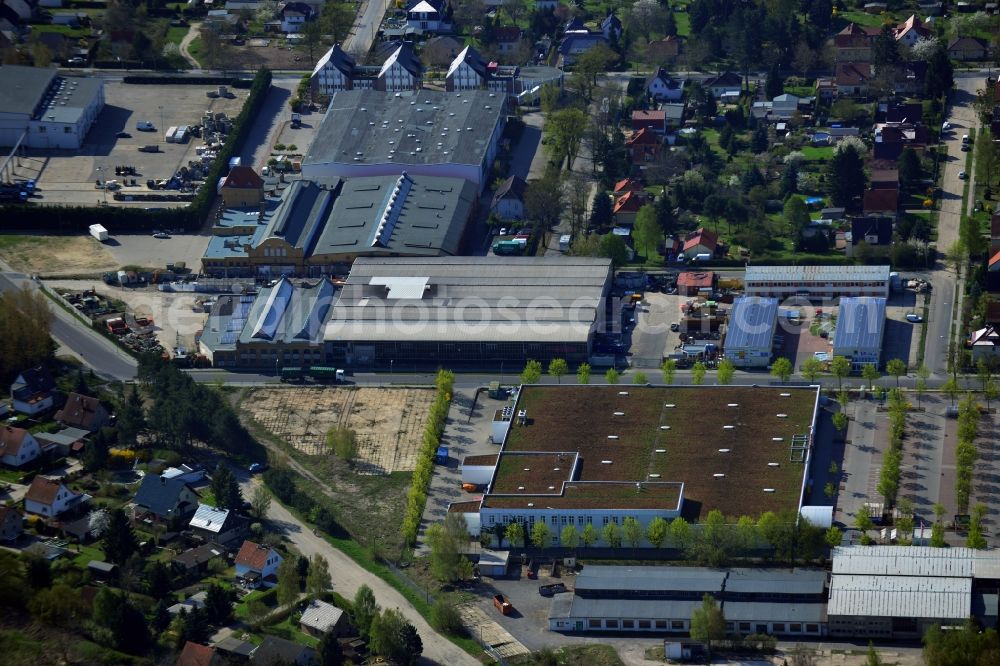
column 636, row 609
column 472, row 299
column 900, row 596
column 321, row 616
column 749, row 611
column 905, row 561
column 751, row 324
column 860, row 324
column 815, row 273
column 625, row 578
column 784, row 581
column 209, row 518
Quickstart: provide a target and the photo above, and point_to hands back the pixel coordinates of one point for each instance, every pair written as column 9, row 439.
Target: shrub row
column 889, row 476
column 232, row 82
column 75, row 219
column 416, row 498
column 965, row 452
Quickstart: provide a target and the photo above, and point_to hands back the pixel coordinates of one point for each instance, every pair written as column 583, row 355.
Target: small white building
column 33, row 391
column 18, row 447
column 750, row 331
column 860, row 329
column 478, row 470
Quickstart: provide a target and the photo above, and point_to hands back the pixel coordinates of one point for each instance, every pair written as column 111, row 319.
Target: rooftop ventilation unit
column 669, row 405
column 773, row 464
column 619, row 413
column 520, row 487
column 728, row 427
column 605, row 462
column 734, row 404
column 664, row 427
column 552, row 487
column 654, row 476
column 719, row 476
column 531, row 504
column 786, row 395
column 661, row 450
column 527, row 469
column 777, row 439
column 622, row 392
column 768, row 490
column 555, row 469
column 724, row 450
column 612, row 436
column 782, row 416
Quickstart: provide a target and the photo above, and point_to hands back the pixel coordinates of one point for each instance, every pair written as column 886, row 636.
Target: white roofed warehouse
column 817, row 281
column 860, row 330
column 472, row 311
column 750, row 331
column 42, row 109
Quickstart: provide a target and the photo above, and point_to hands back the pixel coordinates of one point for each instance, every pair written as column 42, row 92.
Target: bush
column 445, row 617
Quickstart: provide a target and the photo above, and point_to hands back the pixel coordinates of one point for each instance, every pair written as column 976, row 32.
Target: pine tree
column 118, row 541
column 226, row 489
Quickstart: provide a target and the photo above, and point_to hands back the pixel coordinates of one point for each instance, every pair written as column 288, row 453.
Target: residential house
column 785, row 106
column 644, row 146
column 18, row 447
column 826, row 88
column 440, row 50
column 11, row 523
column 725, row 85
column 912, row 30
column 320, row 618
column 196, row 654
column 294, row 16
column 852, row 79
column 900, row 112
column 50, row 498
column 85, row 528
column 256, row 565
column 968, row 48
column 162, row 499
column 985, row 342
column 627, row 207
column 334, row 71
column 666, row 49
column 196, row 600
column 33, row 391
column 874, row 230
column 884, row 178
column 652, row 119
column 235, row 651
column 854, row 43
column 628, row 185
column 242, row 188
column 401, row 71
column 701, row 241
column 673, row 115
column 508, row 38
column 881, row 202
column 194, row 561
column 611, row 27
column 832, row 214
column 892, row 138
column 909, row 78
column 84, row 412
column 664, row 88
column 577, row 42
column 508, row 201
column 428, row 16
column 219, row 525
column 276, row 650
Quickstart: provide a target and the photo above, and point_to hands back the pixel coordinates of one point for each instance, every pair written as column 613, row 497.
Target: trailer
column 168, row 136
column 292, row 374
column 99, row 232
column 181, row 135
column 321, row 374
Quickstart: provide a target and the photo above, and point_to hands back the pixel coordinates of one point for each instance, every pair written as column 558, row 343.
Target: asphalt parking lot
column 148, row 252
column 65, row 178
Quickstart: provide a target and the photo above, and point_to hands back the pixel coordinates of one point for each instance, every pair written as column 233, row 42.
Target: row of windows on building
column 682, row 625
column 807, row 283
column 286, row 356
column 554, row 521
column 67, row 129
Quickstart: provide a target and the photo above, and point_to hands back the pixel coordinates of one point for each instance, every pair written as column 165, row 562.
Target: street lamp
column 391, row 361
column 104, row 185
column 161, row 118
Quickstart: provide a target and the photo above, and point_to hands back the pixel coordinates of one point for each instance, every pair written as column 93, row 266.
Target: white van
column 144, row 126
column 704, row 256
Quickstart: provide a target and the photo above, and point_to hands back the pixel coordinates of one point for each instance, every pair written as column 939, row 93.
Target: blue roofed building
column 750, row 333
column 282, row 326
column 860, row 330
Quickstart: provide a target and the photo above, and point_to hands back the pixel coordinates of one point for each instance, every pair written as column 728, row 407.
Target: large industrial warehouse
column 785, row 602
column 750, row 331
column 860, row 331
column 817, row 281
column 42, row 109
column 425, row 133
column 899, row 592
column 468, row 311
column 598, row 454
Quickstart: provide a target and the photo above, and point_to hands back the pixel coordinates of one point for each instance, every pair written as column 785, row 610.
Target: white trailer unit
column 181, row 135
column 99, row 232
column 169, row 135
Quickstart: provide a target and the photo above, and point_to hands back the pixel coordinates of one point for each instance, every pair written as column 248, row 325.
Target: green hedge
column 190, row 81
column 416, row 498
column 76, row 219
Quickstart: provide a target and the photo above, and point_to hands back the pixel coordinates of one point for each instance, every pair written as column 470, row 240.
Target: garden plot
column 389, row 422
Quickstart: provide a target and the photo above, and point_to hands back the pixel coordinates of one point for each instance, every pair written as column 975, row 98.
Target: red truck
column 503, row 604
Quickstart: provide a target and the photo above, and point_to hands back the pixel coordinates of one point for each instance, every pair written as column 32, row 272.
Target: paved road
column 366, row 24
column 348, row 576
column 96, row 351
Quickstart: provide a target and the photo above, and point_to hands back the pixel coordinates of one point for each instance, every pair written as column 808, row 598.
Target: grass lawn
column 800, row 91
column 175, row 35
column 68, row 31
column 588, row 655
column 86, row 554
column 10, row 476
column 861, row 18
column 817, row 153
column 195, row 48
column 289, row 631
column 683, row 21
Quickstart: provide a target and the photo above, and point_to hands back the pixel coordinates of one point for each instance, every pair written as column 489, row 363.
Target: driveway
column 348, row 576
column 193, row 32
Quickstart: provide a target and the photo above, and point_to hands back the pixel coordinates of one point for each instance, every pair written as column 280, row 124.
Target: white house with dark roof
column 428, row 16
column 334, row 71
column 32, row 391
column 401, row 71
column 664, row 88
column 18, row 447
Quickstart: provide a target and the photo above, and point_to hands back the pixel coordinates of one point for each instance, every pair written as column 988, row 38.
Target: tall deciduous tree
column 564, row 130
column 840, row 367
column 541, row 535
column 25, row 321
column 708, row 624
column 289, row 581
column 612, row 535
column 365, row 609
column 646, row 231
column 318, row 580
column 532, row 372
column 557, row 368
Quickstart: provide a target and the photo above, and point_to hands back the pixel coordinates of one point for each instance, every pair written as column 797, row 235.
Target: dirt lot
column 389, row 422
column 56, row 255
column 65, row 178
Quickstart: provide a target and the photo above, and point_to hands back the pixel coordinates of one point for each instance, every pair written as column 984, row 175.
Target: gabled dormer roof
column 406, row 58
column 470, row 57
column 338, row 58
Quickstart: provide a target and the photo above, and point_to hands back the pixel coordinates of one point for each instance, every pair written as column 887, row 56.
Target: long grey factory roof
column 470, row 298
column 752, row 322
column 900, row 596
column 422, row 127
column 572, row 606
column 408, row 214
column 816, row 273
column 777, row 581
column 916, row 561
column 302, row 212
column 860, row 323
column 68, row 104
column 286, row 313
column 23, row 88
column 651, row 578
column 756, row 611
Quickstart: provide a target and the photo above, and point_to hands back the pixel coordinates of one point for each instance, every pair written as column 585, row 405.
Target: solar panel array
column 241, row 310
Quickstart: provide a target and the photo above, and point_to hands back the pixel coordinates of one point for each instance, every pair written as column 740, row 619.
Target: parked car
column 145, row 126
column 151, row 148
column 913, row 318
column 123, row 135
column 961, row 175
column 256, row 467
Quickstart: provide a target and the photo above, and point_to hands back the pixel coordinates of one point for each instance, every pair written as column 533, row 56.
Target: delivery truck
column 99, row 232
